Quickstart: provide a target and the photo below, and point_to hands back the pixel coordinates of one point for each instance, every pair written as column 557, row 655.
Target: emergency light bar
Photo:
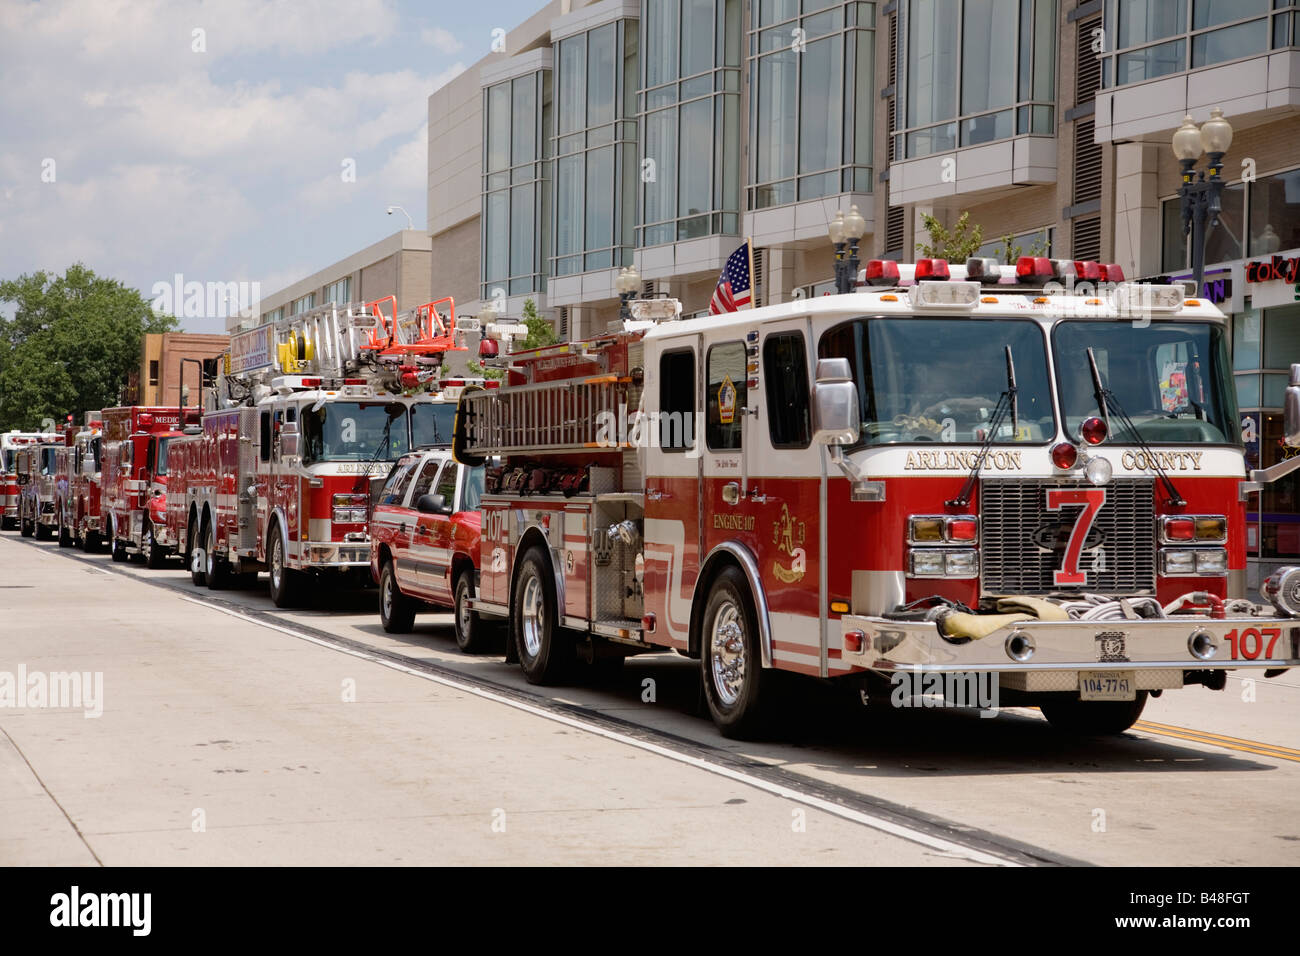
column 654, row 310
column 1141, row 297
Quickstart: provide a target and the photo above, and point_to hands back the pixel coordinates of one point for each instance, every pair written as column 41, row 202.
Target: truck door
column 433, row 532
column 673, row 503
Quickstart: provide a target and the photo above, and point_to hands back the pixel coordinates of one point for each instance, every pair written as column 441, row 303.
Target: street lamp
column 846, row 231
column 1200, row 195
column 410, row 223
column 626, row 284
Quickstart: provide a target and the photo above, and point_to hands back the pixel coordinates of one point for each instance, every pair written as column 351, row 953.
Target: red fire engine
column 10, row 443
column 34, row 467
column 965, row 473
column 133, row 479
column 78, row 484
column 305, row 417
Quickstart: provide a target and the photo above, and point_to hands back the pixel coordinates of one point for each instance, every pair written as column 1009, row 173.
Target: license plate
column 1106, row 685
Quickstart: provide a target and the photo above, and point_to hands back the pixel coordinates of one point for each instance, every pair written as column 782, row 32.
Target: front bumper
column 335, row 554
column 1160, row 649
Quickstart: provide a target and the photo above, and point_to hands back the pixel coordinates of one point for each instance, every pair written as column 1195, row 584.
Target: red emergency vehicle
column 10, row 443
column 946, row 471
column 133, row 479
column 306, row 416
column 80, row 521
column 35, row 473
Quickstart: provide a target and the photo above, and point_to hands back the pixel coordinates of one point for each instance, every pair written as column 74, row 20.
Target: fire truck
column 78, row 469
column 10, row 443
column 133, row 479
column 1031, row 474
column 35, row 474
column 304, row 420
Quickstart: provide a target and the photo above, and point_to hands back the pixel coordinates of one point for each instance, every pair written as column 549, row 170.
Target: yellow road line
column 1219, row 740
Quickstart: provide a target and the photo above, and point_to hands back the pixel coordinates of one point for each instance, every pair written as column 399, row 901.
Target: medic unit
column 1030, row 475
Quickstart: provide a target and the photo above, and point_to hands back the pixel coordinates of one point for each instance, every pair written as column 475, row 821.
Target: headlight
column 1098, row 470
column 926, row 563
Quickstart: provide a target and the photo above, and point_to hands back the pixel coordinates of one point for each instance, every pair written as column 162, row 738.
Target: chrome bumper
column 1125, row 645
column 335, row 554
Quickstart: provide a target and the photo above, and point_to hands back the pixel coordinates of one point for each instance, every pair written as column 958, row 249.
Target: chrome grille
column 1119, row 558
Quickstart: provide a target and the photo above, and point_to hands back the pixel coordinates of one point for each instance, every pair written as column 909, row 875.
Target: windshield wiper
column 364, row 476
column 1106, row 401
column 1007, row 404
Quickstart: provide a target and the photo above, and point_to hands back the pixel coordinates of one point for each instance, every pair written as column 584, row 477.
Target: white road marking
column 826, row 806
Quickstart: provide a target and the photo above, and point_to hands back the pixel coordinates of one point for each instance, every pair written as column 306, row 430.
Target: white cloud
column 441, row 40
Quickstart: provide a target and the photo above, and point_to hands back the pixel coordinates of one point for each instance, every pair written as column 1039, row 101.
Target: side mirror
column 289, row 440
column 432, row 505
column 835, row 404
column 1291, row 411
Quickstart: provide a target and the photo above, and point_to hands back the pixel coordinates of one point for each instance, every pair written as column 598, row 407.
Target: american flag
column 733, row 292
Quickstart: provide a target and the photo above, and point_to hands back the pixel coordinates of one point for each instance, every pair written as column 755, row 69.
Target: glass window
column 661, row 42
column 1208, row 13
column 600, row 198
column 355, row 431
column 498, row 123
column 661, row 187
column 447, row 484
column 778, row 91
column 600, row 76
column 398, row 480
column 1246, row 340
column 677, row 400
column 1173, row 243
column 471, row 492
column 573, row 83
column 694, row 193
column 697, row 36
column 1281, row 338
column 1230, row 43
column 1173, row 380
column 522, row 229
column 908, row 391
column 988, row 44
column 724, row 396
column 264, row 436
column 1146, row 64
column 432, row 423
column 1275, row 213
column 497, row 237
column 785, row 368
column 425, row 480
column 1223, row 242
column 822, row 83
column 931, row 62
column 1141, row 21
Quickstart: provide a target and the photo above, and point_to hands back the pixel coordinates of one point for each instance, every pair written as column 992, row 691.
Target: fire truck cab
column 1033, row 472
column 36, row 473
column 10, row 444
column 133, row 479
column 302, row 424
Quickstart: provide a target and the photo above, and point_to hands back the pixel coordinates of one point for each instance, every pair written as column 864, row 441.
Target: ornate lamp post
column 846, row 231
column 1200, row 193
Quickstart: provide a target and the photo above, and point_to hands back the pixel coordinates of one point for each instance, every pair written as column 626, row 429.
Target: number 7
column 1092, row 500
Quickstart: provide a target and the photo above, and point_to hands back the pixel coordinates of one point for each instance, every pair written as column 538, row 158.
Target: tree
column 70, row 345
column 956, row 245
column 1010, row 250
column 540, row 331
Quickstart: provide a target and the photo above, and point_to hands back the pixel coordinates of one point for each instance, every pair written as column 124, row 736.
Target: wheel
column 473, row 635
column 396, row 610
column 154, row 556
column 193, row 560
column 286, row 583
column 118, row 550
column 65, row 536
column 25, row 527
column 736, row 687
column 89, row 542
column 7, row 524
column 216, row 569
column 1092, row 718
column 546, row 651
column 44, row 532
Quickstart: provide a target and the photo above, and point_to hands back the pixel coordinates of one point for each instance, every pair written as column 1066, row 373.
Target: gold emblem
column 788, row 535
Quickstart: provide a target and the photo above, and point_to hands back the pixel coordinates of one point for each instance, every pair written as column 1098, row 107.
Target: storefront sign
column 1274, row 281
column 1220, row 286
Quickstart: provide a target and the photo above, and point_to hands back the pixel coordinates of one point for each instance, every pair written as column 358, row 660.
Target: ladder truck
column 1029, row 475
column 304, row 420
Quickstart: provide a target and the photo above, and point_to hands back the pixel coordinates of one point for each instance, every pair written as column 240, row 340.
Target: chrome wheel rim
column 211, row 561
column 387, row 596
column 148, row 545
column 462, row 609
column 727, row 660
column 532, row 616
column 277, row 563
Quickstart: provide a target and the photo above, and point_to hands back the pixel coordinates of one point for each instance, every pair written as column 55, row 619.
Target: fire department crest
column 788, row 535
column 1110, row 647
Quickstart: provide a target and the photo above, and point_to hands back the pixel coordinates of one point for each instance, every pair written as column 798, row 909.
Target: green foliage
column 1011, row 251
column 540, row 331
column 70, row 345
column 477, row 368
column 956, row 245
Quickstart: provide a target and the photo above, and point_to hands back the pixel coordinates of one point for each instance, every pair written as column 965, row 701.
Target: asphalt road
column 233, row 732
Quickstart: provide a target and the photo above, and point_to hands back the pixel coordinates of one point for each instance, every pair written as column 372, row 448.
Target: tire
column 25, row 528
column 7, row 524
column 65, row 537
column 1092, row 718
column 737, row 689
column 396, row 610
column 216, row 568
column 154, row 557
column 473, row 634
column 285, row 583
column 43, row 531
column 197, row 575
column 90, row 542
column 115, row 547
column 546, row 651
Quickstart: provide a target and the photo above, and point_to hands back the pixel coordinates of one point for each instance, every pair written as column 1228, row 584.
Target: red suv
column 424, row 545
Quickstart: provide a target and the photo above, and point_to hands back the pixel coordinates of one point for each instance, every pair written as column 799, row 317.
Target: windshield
column 47, row 460
column 938, row 380
column 160, row 466
column 1173, row 379
column 6, row 459
column 355, row 431
column 472, row 493
column 432, row 422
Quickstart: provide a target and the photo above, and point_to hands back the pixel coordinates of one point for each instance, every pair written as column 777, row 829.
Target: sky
column 228, row 141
